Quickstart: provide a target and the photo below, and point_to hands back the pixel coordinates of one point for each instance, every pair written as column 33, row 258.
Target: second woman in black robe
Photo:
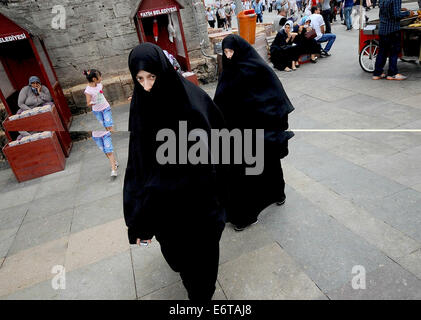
column 284, row 54
column 179, row 204
column 251, row 96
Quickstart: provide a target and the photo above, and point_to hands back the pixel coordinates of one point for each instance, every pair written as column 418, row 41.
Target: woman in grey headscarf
column 33, row 95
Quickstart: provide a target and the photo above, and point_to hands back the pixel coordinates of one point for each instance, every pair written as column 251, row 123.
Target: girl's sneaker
column 114, row 173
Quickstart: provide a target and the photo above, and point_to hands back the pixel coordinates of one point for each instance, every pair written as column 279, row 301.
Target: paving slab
column 385, row 236
column 402, row 167
column 105, row 186
column 266, row 273
column 17, row 197
column 360, row 152
column 397, row 140
column 96, row 243
column 388, row 282
column 397, row 112
column 31, row 266
column 362, row 121
column 324, row 248
column 40, row 291
column 42, row 230
column 316, row 162
column 401, row 210
column 412, row 263
column 234, row 243
column 152, row 272
column 50, row 205
column 62, row 184
column 360, row 184
column 177, row 291
column 412, row 101
column 97, row 212
column 360, row 103
column 13, row 216
column 108, row 279
column 6, row 239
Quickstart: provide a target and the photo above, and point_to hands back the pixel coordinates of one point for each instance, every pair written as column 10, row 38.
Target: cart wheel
column 368, row 57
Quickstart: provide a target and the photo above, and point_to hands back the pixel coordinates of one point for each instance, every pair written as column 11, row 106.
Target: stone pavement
column 353, row 199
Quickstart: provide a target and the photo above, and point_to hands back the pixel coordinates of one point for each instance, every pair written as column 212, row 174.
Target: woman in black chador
column 283, row 53
column 251, row 96
column 178, row 204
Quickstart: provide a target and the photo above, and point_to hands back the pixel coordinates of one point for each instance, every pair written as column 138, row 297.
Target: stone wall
column 100, row 34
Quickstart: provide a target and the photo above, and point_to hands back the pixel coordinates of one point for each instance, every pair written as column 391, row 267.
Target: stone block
column 151, row 270
column 122, row 9
column 42, row 230
column 388, row 282
column 267, row 273
column 113, row 90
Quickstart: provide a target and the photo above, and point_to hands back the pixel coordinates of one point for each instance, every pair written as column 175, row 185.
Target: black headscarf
column 250, row 94
column 150, row 187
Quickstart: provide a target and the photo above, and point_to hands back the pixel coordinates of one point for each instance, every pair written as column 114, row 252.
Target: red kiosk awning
column 154, row 19
column 23, row 54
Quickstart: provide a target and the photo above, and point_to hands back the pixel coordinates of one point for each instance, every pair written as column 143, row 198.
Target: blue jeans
column 329, row 38
column 389, row 43
column 348, row 21
column 104, row 143
column 104, row 117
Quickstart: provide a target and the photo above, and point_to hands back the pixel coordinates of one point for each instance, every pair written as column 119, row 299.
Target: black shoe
column 281, row 203
column 325, row 53
column 242, row 227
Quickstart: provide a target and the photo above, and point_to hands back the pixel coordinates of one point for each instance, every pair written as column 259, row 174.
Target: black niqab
column 251, row 96
column 164, row 199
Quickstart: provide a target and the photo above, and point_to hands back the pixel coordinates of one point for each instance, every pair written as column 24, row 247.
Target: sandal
column 396, row 77
column 287, row 69
column 382, row 76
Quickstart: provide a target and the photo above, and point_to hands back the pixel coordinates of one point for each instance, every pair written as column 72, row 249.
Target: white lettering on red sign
column 13, row 38
column 157, row 12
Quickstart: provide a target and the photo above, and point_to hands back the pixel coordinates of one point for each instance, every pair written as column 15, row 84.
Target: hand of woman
column 39, row 88
column 139, row 241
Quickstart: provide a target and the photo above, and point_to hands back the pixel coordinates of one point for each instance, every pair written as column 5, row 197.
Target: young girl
column 101, row 109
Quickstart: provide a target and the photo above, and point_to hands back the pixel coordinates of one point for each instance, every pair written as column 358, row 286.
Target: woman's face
column 287, row 28
column 228, row 53
column 146, row 79
column 35, row 84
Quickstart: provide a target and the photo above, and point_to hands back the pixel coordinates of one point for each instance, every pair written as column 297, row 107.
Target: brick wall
column 100, row 34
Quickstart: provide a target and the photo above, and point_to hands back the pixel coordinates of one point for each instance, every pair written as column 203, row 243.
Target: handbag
column 310, row 34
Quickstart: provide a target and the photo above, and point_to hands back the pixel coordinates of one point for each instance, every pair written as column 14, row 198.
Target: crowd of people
column 220, row 15
column 296, row 38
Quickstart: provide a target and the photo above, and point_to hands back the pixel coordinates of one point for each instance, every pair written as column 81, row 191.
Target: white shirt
column 221, row 13
column 210, row 16
column 316, row 22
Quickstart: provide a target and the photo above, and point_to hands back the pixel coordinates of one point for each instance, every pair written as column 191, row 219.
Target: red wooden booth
column 154, row 19
column 23, row 54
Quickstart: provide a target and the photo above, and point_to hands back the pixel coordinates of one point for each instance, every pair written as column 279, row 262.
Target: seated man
column 34, row 95
column 280, row 19
column 317, row 23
